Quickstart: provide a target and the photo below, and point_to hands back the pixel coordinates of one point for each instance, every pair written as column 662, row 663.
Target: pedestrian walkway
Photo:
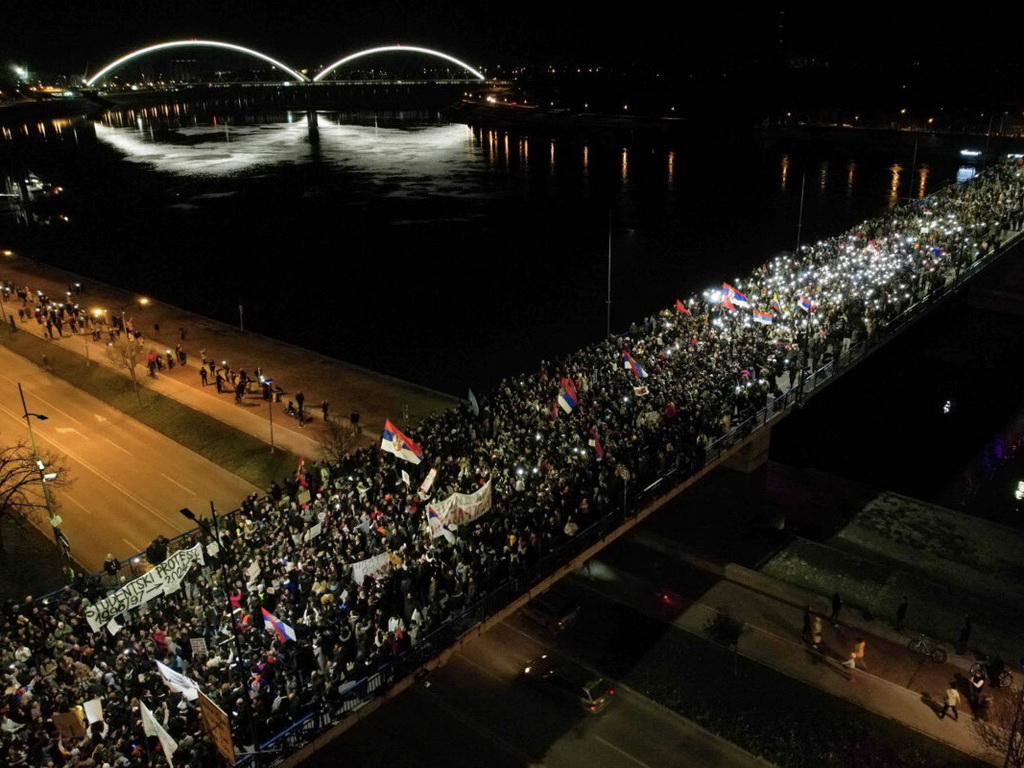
column 346, row 388
column 893, row 681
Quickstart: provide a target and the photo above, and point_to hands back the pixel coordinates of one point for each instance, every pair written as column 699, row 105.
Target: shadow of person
column 932, row 704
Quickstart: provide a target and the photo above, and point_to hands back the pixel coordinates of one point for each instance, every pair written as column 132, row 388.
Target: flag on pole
column 298, row 473
column 437, row 527
column 151, row 727
column 804, row 303
column 405, row 478
column 632, row 365
column 681, row 308
column 473, row 403
column 595, row 443
column 393, row 441
column 764, row 318
column 178, row 682
column 283, row 631
column 776, row 306
column 727, row 303
column 567, row 396
column 735, row 296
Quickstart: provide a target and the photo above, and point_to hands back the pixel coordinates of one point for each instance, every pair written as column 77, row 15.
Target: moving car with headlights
column 570, row 682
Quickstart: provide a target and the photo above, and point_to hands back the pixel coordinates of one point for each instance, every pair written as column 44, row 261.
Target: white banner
column 428, row 481
column 151, row 727
column 164, row 578
column 178, row 682
column 462, row 508
column 372, row 566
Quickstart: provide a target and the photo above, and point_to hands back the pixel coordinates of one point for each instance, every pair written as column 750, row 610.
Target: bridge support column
column 753, row 454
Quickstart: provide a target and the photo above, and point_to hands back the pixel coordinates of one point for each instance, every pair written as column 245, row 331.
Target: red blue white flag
column 595, row 443
column 567, row 396
column 283, row 631
column 632, row 365
column 734, row 296
column 393, row 441
column 765, row 318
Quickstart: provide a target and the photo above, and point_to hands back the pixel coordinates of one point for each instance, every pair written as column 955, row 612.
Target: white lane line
column 79, row 460
column 621, row 751
column 50, row 405
column 184, row 488
column 76, row 502
column 122, row 450
column 69, row 430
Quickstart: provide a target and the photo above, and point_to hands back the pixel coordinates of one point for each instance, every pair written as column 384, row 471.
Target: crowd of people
column 558, row 447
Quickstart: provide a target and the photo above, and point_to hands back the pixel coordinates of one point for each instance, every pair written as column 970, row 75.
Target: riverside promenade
column 344, row 386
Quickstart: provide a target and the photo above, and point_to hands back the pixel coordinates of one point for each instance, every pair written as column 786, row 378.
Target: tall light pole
column 44, row 478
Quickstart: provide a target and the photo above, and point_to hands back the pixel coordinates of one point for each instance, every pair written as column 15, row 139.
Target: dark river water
column 441, row 253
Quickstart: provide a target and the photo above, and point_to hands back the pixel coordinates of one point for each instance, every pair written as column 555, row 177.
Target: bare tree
column 337, row 439
column 126, row 352
column 21, row 481
column 1000, row 723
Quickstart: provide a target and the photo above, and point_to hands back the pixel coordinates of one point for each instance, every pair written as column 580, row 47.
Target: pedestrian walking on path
column 950, row 701
column 203, row 375
column 325, row 407
column 964, row 636
column 856, row 655
column 901, row 614
column 837, row 606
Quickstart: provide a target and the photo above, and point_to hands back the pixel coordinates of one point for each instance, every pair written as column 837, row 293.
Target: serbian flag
column 438, row 527
column 283, row 631
column 765, row 318
column 681, row 308
column 595, row 443
column 632, row 365
column 567, row 396
column 393, row 441
column 727, row 303
column 804, row 303
column 734, row 296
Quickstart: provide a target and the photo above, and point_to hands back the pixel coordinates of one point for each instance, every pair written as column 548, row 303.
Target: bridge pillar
column 753, row 454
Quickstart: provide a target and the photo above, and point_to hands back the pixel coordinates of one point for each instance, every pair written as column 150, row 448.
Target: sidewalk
column 345, row 387
column 895, row 682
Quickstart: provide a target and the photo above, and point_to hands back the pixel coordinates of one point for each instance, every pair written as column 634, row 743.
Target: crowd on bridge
column 558, row 449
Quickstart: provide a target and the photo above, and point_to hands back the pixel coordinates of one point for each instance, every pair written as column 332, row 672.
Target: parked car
column 551, row 613
column 569, row 681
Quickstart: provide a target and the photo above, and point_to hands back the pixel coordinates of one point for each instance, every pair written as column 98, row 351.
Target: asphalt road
column 478, row 711
column 129, row 480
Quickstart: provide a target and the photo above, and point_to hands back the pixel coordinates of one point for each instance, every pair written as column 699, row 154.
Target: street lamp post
column 44, row 478
column 608, row 301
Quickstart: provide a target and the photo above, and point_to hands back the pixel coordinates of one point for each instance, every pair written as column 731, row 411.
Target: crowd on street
column 559, row 448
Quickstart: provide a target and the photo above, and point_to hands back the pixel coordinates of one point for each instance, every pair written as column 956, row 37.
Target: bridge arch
column 195, row 44
column 391, row 48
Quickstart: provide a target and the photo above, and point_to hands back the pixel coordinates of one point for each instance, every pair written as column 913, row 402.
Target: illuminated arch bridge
column 294, row 74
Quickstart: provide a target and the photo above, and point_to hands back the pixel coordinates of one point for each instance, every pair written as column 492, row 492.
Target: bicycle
column 928, row 647
column 1002, row 677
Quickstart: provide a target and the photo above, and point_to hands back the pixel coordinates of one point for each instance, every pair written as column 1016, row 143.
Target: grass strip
column 230, row 448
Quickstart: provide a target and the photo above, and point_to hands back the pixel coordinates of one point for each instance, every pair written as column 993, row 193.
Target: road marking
column 67, row 430
column 621, row 751
column 50, row 405
column 122, row 450
column 188, row 490
column 117, row 486
column 76, row 502
column 135, row 547
column 101, row 418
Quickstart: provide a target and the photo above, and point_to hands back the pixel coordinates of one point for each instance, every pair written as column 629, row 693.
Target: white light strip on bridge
column 407, row 48
column 195, row 43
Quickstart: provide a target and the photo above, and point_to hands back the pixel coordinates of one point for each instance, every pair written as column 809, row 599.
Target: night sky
column 61, row 36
